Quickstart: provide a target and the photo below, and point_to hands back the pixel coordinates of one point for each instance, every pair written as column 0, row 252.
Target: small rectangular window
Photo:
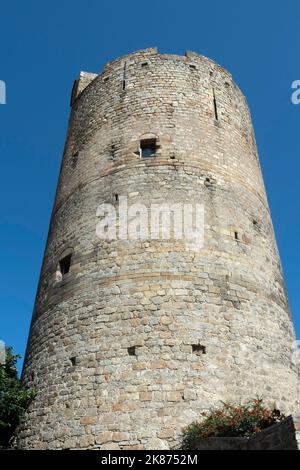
column 148, row 148
column 73, row 360
column 198, row 349
column 65, row 264
column 131, row 351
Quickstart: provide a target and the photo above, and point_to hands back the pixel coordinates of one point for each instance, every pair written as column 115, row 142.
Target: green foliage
column 232, row 421
column 14, row 398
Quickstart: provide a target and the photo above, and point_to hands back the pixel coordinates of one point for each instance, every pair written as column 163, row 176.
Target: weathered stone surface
column 155, row 295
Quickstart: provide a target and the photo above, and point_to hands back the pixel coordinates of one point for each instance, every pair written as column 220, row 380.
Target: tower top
column 191, row 58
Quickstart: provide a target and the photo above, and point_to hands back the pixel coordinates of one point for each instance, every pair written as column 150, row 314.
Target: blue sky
column 44, row 45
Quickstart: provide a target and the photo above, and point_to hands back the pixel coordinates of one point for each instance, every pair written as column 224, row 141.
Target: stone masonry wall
column 156, row 295
column 280, row 436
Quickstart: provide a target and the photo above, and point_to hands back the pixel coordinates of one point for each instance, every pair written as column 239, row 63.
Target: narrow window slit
column 112, row 152
column 215, row 106
column 236, row 236
column 74, row 160
column 124, row 77
column 116, row 197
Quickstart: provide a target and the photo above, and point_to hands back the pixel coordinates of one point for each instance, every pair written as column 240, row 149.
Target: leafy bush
column 14, row 398
column 232, row 421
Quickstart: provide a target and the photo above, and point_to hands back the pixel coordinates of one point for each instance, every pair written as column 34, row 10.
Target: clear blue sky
column 44, row 45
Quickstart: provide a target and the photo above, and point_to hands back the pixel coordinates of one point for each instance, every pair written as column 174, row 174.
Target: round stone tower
column 132, row 337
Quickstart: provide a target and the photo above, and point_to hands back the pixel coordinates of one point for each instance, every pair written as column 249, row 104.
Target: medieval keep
column 131, row 339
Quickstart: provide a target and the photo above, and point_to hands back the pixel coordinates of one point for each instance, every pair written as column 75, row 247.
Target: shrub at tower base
column 232, row 421
column 14, row 398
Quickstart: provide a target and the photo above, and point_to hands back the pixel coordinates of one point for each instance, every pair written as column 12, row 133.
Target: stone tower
column 131, row 339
